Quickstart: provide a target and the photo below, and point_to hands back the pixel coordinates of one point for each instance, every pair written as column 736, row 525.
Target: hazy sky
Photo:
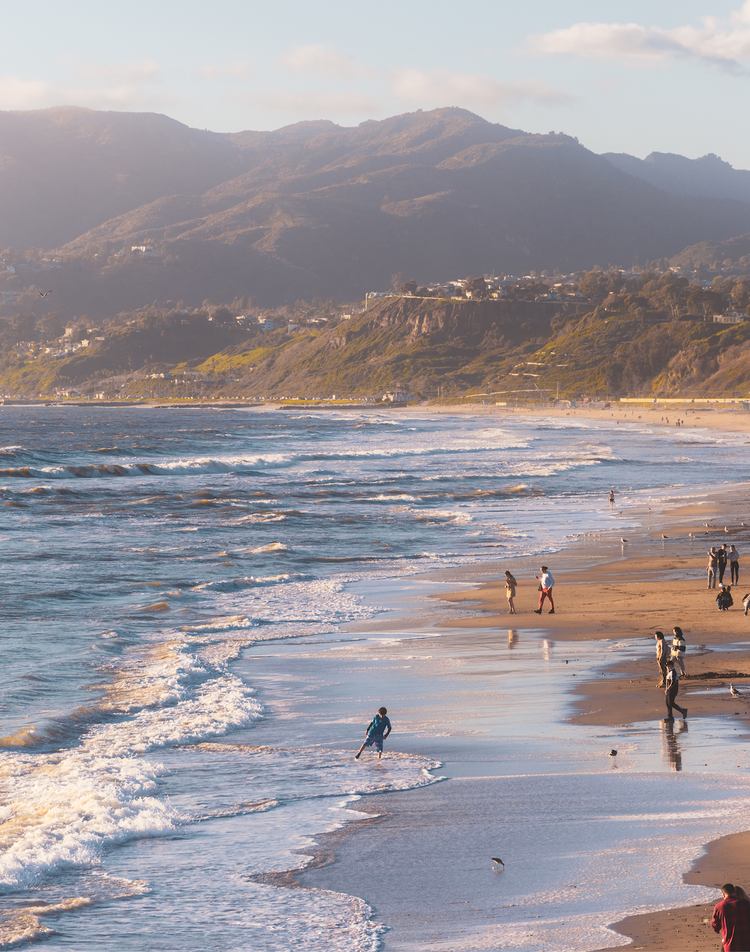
column 632, row 76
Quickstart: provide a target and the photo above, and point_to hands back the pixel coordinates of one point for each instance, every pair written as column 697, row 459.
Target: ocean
column 191, row 603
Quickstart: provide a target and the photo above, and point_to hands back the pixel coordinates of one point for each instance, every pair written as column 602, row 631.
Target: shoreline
column 617, row 579
column 727, row 418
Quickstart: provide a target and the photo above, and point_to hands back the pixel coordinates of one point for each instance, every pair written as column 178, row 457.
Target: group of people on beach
column 546, row 583
column 717, row 565
column 667, row 657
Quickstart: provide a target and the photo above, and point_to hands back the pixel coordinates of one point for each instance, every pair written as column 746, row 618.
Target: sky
column 630, row 77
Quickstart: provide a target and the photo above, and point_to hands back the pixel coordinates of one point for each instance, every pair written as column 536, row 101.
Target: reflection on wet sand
column 670, row 743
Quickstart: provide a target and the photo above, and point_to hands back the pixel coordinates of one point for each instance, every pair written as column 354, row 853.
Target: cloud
column 238, row 70
column 443, row 87
column 118, row 74
column 319, row 104
column 724, row 43
column 19, row 93
column 319, row 59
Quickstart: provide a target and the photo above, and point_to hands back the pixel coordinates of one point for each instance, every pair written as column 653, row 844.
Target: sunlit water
column 165, row 571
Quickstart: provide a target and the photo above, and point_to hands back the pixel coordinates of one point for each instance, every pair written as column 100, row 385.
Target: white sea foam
column 62, row 809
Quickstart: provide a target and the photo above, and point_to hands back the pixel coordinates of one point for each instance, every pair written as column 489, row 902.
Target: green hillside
column 507, row 349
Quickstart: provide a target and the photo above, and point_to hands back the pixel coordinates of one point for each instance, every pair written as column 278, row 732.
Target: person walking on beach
column 661, row 658
column 678, row 648
column 545, row 587
column 734, row 565
column 611, row 499
column 731, row 919
column 721, row 558
column 377, row 731
column 670, row 692
column 712, row 567
column 510, row 592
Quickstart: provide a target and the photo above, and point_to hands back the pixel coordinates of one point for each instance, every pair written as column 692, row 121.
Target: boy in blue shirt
column 377, row 731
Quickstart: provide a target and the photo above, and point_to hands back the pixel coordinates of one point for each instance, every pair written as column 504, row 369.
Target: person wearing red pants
column 545, row 586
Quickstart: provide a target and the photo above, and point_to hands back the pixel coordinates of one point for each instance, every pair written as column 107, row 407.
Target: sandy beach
column 727, row 418
column 606, row 591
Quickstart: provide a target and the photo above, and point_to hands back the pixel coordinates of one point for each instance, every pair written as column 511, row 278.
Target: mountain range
column 319, row 210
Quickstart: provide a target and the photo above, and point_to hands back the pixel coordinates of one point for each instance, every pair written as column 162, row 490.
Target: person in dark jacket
column 670, row 693
column 721, row 559
column 724, row 599
column 712, row 567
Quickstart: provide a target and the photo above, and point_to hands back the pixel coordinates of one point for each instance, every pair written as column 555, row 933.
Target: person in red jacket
column 732, row 919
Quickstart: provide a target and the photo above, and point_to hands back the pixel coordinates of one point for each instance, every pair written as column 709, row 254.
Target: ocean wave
column 261, row 517
column 224, row 624
column 267, row 549
column 247, row 581
column 62, row 811
column 393, row 497
column 182, row 467
column 438, row 515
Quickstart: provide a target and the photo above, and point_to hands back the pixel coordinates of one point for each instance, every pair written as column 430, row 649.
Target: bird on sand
column 613, row 753
column 623, row 540
column 663, row 536
column 496, row 859
column 733, row 691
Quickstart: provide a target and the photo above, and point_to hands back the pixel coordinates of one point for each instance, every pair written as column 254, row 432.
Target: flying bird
column 44, row 293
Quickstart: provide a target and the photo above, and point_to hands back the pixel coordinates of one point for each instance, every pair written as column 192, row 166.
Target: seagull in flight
column 44, row 293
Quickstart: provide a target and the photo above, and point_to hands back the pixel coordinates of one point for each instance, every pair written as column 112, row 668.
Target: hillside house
column 396, row 396
column 731, row 317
